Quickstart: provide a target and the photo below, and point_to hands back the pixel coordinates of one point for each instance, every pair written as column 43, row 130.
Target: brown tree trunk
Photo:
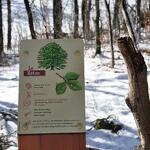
column 138, row 97
column 138, row 20
column 98, row 41
column 9, row 24
column 1, row 32
column 57, row 18
column 84, row 19
column 88, row 16
column 110, row 33
column 116, row 20
column 30, row 19
column 76, row 19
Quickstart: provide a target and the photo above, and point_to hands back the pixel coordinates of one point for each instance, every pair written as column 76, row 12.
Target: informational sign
column 51, row 88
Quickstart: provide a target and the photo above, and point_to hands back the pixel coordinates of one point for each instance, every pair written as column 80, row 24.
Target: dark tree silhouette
column 30, row 19
column 110, row 32
column 57, row 18
column 76, row 19
column 1, row 32
column 9, row 24
column 98, row 42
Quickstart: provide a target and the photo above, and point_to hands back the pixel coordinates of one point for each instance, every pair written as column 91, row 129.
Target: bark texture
column 1, row 32
column 116, row 21
column 76, row 19
column 138, row 19
column 57, row 18
column 30, row 19
column 110, row 33
column 9, row 24
column 98, row 41
column 84, row 14
column 138, row 97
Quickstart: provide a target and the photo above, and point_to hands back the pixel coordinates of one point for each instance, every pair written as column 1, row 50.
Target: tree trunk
column 128, row 21
column 9, row 24
column 76, row 19
column 86, row 8
column 98, row 41
column 88, row 31
column 1, row 32
column 84, row 19
column 138, row 20
column 110, row 33
column 57, row 18
column 116, row 17
column 30, row 19
column 138, row 97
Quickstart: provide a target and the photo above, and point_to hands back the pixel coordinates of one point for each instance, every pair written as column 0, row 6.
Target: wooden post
column 72, row 141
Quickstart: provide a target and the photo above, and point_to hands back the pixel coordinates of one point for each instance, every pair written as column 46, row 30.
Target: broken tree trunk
column 138, row 97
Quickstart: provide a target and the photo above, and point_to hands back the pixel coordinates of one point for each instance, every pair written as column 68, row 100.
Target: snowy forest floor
column 105, row 91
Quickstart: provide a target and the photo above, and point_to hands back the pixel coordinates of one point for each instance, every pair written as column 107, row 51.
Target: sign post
column 51, row 95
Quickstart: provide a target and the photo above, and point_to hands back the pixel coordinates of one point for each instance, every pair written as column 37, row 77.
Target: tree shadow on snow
column 95, row 89
column 7, row 106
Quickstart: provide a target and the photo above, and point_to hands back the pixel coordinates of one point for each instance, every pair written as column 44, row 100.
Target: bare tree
column 98, row 41
column 110, row 32
column 44, row 14
column 128, row 21
column 84, row 13
column 116, row 21
column 30, row 19
column 1, row 32
column 88, row 16
column 9, row 24
column 57, row 18
column 138, row 96
column 86, row 8
column 76, row 19
column 138, row 19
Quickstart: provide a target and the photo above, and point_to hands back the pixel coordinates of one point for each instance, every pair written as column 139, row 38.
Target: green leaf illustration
column 61, row 88
column 74, row 85
column 72, row 76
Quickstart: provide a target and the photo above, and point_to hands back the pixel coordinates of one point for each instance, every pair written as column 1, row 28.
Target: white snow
column 105, row 94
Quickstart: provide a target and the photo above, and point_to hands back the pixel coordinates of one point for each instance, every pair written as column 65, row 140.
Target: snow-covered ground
column 105, row 94
column 105, row 90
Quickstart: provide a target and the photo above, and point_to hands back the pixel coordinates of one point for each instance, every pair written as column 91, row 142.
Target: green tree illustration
column 52, row 56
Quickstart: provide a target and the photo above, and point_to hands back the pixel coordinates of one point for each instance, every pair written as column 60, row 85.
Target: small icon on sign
column 26, row 114
column 26, row 125
column 28, row 85
column 27, row 103
column 28, row 94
